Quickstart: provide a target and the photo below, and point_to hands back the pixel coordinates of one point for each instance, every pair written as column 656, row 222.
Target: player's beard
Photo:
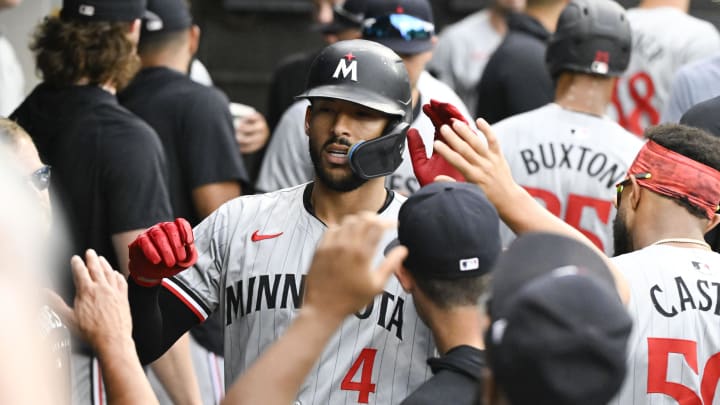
column 621, row 235
column 344, row 183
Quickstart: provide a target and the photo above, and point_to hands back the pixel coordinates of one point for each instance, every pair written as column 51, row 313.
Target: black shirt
column 196, row 130
column 706, row 116
column 456, row 378
column 288, row 80
column 108, row 167
column 516, row 79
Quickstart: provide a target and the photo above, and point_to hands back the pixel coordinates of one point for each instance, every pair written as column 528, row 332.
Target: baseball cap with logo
column 559, row 331
column 451, row 231
column 102, row 10
column 166, row 16
column 405, row 26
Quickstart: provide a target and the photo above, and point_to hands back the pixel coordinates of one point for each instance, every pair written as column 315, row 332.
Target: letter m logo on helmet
column 345, row 69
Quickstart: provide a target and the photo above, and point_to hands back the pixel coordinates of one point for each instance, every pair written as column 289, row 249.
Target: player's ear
column 308, row 115
column 406, row 279
column 194, row 39
column 634, row 195
column 713, row 223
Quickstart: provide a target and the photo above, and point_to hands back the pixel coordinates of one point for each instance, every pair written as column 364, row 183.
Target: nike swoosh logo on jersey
column 256, row 237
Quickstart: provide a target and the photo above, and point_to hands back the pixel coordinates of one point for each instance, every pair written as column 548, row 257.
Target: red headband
column 677, row 176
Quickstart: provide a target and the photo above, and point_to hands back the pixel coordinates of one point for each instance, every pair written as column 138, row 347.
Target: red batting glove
column 441, row 114
column 426, row 170
column 162, row 251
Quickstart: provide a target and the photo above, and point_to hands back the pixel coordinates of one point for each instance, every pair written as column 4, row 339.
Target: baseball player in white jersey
column 675, row 304
column 567, row 154
column 287, row 161
column 666, row 203
column 254, row 251
column 665, row 37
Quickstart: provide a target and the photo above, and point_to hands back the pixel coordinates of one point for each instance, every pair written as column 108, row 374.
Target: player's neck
column 110, row 87
column 583, row 93
column 683, row 5
column 455, row 327
column 675, row 223
column 177, row 61
column 498, row 20
column 332, row 206
column 547, row 15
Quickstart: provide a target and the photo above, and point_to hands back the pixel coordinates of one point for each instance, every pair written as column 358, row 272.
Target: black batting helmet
column 362, row 72
column 592, row 36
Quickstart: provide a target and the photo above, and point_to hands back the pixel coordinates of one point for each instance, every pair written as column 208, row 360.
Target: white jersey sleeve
column 570, row 162
column 674, row 348
column 254, row 253
column 642, row 93
column 287, row 161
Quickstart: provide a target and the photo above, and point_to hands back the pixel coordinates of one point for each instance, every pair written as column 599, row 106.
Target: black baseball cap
column 103, row 10
column 451, row 231
column 559, row 330
column 166, row 16
column 346, row 16
column 405, row 26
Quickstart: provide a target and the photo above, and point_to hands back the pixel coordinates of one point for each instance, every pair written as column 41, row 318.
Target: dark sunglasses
column 621, row 186
column 40, row 178
column 402, row 26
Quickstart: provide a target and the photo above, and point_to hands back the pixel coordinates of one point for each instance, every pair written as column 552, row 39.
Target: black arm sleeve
column 159, row 319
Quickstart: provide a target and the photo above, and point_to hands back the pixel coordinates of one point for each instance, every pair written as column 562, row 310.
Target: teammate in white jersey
column 287, row 162
column 667, row 202
column 254, row 251
column 665, row 37
column 568, row 154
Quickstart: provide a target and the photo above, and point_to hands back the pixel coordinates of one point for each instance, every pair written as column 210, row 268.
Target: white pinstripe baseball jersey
column 254, row 253
column 674, row 349
column 570, row 161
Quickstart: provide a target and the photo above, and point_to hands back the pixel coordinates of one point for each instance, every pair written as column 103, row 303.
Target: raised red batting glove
column 162, row 251
column 426, row 170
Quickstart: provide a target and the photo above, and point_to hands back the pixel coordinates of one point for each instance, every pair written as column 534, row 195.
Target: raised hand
column 427, row 169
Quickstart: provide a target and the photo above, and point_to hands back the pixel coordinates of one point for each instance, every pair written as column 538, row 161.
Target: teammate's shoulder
column 525, row 121
column 467, row 25
column 433, row 87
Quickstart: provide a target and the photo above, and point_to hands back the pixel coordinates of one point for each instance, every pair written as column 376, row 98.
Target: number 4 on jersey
column 364, row 363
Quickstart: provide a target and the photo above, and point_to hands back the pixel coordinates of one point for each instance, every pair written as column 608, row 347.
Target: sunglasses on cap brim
column 402, row 26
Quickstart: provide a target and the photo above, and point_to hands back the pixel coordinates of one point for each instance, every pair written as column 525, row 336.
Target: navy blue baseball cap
column 559, row 331
column 103, row 10
column 451, row 231
column 405, row 26
column 166, row 16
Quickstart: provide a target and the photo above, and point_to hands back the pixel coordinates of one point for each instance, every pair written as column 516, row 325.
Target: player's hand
column 101, row 312
column 341, row 279
column 252, row 133
column 427, row 169
column 162, row 251
column 480, row 163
